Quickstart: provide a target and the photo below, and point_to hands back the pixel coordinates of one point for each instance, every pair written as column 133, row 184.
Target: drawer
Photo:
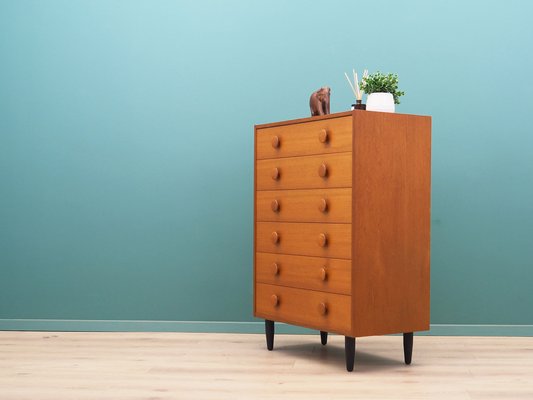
column 314, row 205
column 305, row 239
column 319, row 310
column 323, row 171
column 325, row 136
column 324, row 274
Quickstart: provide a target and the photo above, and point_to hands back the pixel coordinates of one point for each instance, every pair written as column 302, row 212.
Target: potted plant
column 382, row 91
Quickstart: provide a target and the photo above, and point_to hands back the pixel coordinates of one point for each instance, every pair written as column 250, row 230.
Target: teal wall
column 126, row 148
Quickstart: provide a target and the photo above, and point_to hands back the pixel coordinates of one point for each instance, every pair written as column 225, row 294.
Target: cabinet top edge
column 329, row 116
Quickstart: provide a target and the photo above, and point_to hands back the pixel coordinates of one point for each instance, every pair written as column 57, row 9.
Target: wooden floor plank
column 69, row 365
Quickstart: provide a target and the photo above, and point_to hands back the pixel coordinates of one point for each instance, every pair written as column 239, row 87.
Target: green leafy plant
column 381, row 83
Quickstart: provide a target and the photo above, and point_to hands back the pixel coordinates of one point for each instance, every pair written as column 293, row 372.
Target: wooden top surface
column 322, row 117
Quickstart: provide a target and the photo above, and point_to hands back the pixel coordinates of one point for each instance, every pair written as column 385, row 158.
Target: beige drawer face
column 312, row 205
column 305, row 239
column 324, row 274
column 318, row 310
column 311, row 172
column 318, row 137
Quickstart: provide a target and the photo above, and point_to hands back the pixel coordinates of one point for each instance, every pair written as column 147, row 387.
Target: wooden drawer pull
column 275, row 268
column 322, row 240
column 323, row 308
column 323, row 273
column 323, row 136
column 323, row 170
column 274, row 237
column 275, row 142
column 323, row 205
column 275, row 174
column 274, row 205
column 274, row 300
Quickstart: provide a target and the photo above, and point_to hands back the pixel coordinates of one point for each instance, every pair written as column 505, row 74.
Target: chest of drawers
column 342, row 224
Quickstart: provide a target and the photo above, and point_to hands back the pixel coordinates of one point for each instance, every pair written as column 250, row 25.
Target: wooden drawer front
column 326, row 136
column 304, row 172
column 319, row 310
column 325, row 274
column 314, row 205
column 306, row 239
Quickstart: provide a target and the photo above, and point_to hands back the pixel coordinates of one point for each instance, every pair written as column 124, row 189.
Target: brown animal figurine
column 319, row 101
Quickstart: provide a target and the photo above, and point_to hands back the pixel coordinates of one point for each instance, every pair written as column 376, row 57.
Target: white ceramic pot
column 383, row 102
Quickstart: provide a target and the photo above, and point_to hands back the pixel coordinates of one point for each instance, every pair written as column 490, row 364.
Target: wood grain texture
column 319, row 310
column 303, row 239
column 305, row 272
column 209, row 366
column 391, row 205
column 255, row 215
column 302, row 172
column 304, row 205
column 303, row 120
column 385, row 182
column 305, row 138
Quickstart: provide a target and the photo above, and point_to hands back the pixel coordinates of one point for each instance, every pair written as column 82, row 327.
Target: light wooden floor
column 45, row 365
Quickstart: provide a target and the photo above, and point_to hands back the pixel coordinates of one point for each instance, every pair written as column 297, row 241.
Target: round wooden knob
column 323, row 273
column 323, row 170
column 274, row 237
column 274, row 300
column 275, row 142
column 323, row 136
column 323, row 308
column 322, row 240
column 274, row 205
column 323, row 205
column 275, row 174
column 275, row 268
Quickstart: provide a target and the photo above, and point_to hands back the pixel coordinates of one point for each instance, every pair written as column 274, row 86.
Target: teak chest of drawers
column 342, row 222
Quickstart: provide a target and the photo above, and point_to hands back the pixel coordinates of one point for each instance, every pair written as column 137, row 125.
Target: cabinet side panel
column 255, row 220
column 391, row 223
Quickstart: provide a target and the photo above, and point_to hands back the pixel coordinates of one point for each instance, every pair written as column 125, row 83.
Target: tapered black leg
column 323, row 337
column 408, row 347
column 269, row 330
column 349, row 349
